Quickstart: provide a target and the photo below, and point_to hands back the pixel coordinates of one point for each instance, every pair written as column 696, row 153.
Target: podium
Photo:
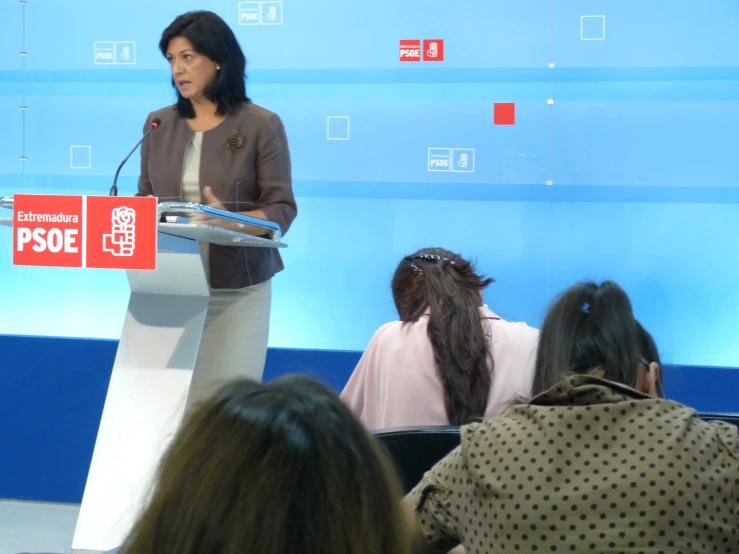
column 154, row 365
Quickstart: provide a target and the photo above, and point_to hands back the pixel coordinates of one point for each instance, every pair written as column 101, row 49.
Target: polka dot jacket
column 588, row 466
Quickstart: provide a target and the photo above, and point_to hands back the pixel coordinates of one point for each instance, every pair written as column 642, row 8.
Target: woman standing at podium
column 216, row 147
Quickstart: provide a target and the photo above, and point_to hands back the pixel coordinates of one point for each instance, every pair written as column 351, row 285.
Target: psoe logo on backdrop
column 104, row 52
column 410, row 50
column 116, row 53
column 440, row 159
column 260, row 13
column 431, row 51
column 457, row 160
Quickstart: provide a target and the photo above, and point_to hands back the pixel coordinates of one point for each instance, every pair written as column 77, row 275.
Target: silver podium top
column 6, row 202
column 182, row 227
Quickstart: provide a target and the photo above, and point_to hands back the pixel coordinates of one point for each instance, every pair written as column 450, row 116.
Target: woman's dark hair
column 590, row 327
column 272, row 469
column 650, row 353
column 447, row 286
column 212, row 37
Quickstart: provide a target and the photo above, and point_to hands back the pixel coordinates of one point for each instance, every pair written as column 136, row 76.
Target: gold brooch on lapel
column 234, row 141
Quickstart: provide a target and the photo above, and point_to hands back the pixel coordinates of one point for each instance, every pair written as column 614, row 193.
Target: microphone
column 155, row 123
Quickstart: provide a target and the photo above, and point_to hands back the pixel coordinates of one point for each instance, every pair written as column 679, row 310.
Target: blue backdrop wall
column 621, row 160
column 629, row 111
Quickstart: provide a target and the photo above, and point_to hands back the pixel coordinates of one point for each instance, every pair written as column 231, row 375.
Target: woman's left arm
column 274, row 180
column 274, row 176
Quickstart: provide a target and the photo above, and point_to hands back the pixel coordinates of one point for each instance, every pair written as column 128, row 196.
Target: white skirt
column 234, row 343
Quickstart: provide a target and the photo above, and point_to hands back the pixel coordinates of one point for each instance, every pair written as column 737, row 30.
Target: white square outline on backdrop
column 71, row 158
column 450, row 159
column 328, row 127
column 582, row 26
column 463, row 170
column 261, row 12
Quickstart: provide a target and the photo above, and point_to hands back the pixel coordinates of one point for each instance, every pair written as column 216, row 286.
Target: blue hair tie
column 586, row 308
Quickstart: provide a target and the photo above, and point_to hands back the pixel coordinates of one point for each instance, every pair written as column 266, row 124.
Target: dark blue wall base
column 52, row 392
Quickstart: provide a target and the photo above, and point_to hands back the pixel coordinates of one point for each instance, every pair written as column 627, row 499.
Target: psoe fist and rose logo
column 121, row 241
column 106, row 232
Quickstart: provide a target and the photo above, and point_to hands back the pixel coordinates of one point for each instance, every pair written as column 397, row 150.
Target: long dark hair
column 590, row 327
column 272, row 469
column 446, row 284
column 212, row 37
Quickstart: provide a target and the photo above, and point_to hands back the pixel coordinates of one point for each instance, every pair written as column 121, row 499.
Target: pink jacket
column 395, row 383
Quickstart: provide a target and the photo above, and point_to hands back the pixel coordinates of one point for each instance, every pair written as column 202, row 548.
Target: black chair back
column 733, row 419
column 416, row 450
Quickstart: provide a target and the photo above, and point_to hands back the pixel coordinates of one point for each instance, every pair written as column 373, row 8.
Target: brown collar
column 586, row 390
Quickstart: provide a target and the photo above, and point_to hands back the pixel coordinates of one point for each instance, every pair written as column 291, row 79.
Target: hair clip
column 426, row 258
column 416, row 270
column 435, row 258
column 430, row 257
column 586, row 308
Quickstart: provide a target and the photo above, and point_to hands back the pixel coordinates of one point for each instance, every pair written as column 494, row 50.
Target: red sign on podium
column 47, row 230
column 121, row 232
column 108, row 232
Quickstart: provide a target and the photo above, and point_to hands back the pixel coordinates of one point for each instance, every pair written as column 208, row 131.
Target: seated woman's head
column 445, row 286
column 591, row 329
column 277, row 468
column 431, row 277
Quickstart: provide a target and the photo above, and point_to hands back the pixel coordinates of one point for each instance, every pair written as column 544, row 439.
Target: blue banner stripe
column 520, row 85
column 72, row 184
column 420, row 74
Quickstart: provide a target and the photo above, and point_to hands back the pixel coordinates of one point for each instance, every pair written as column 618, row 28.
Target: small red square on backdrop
column 410, row 50
column 47, row 230
column 504, row 113
column 433, row 50
column 121, row 232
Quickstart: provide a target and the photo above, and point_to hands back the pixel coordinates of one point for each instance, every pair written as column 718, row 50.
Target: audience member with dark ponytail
column 597, row 461
column 591, row 329
column 449, row 360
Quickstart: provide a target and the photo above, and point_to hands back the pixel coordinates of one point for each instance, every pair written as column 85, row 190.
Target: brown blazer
column 256, row 176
